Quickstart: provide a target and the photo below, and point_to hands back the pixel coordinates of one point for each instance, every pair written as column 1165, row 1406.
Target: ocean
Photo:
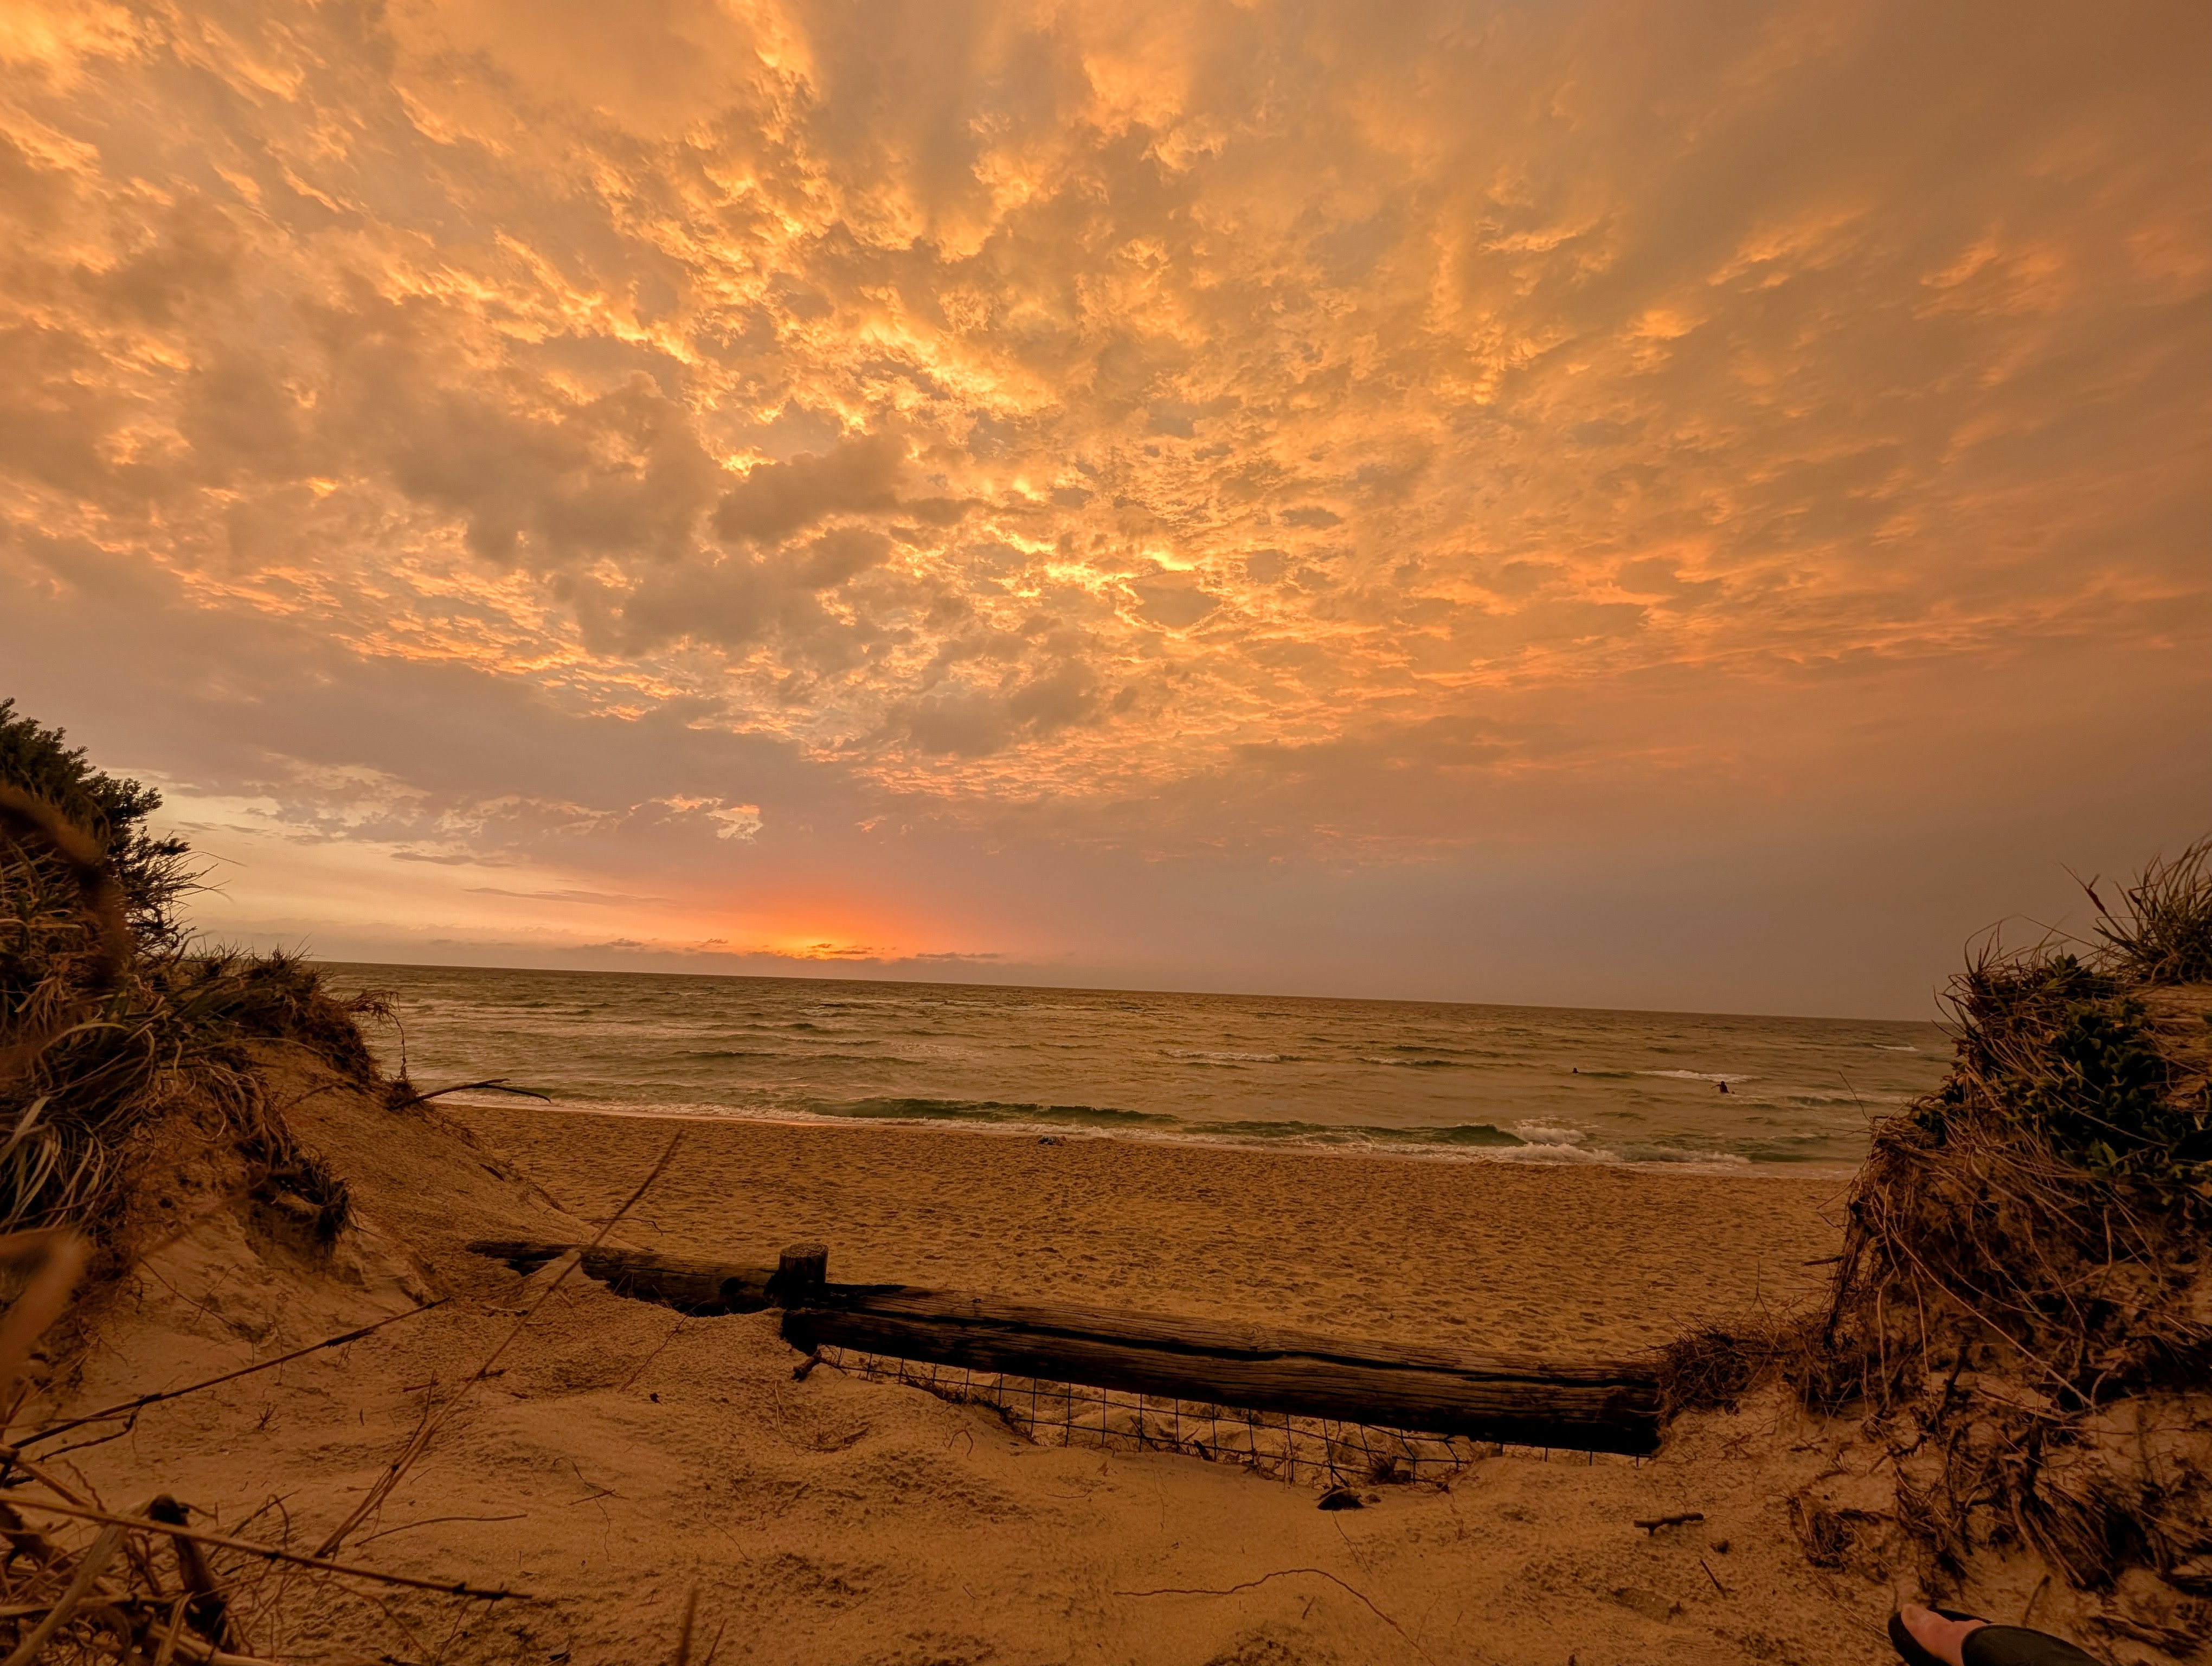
column 1431, row 1080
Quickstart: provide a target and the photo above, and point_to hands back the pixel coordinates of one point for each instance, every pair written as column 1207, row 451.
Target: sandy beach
column 1512, row 1256
column 621, row 1460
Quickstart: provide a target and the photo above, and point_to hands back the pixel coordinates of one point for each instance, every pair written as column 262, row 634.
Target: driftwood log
column 1597, row 1405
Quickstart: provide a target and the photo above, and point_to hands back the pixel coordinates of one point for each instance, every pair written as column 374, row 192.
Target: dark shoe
column 1909, row 1649
column 2016, row 1645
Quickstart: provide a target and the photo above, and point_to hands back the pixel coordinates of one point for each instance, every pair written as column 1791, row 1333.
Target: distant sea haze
column 1488, row 1084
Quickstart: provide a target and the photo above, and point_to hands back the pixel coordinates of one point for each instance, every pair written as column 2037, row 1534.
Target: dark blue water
column 1489, row 1083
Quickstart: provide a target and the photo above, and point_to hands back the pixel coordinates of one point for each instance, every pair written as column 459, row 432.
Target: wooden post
column 800, row 1272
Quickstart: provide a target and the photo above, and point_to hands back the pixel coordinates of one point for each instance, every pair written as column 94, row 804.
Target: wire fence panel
column 1318, row 1452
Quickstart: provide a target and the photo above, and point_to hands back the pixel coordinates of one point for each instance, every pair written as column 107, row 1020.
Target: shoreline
column 1524, row 1154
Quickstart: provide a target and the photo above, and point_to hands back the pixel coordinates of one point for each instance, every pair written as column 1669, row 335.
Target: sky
column 1696, row 507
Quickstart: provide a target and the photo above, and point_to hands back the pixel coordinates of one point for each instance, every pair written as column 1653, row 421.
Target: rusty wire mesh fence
column 1304, row 1452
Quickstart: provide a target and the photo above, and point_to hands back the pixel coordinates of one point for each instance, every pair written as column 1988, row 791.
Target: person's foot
column 1943, row 1638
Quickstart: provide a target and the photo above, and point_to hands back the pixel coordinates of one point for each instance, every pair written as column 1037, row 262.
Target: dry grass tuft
column 110, row 1024
column 2164, row 935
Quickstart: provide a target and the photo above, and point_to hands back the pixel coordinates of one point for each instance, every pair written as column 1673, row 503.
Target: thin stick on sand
column 269, row 1553
column 420, row 1440
column 493, row 1085
column 88, row 1569
column 131, row 1406
column 684, row 1633
column 1279, row 1573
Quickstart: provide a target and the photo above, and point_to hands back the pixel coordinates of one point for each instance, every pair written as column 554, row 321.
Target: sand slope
column 626, row 1455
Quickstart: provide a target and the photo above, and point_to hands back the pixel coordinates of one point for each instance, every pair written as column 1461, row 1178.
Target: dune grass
column 2164, row 934
column 2022, row 1314
column 112, row 1024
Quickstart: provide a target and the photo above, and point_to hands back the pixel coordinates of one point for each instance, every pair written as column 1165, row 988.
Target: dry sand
column 624, row 1456
column 1513, row 1257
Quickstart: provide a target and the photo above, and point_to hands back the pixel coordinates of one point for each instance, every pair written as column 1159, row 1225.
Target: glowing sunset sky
column 1688, row 506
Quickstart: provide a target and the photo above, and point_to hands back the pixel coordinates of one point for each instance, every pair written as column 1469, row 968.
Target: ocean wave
column 1683, row 1154
column 1698, row 1075
column 1204, row 1056
column 1461, row 1134
column 990, row 1110
column 1785, row 1148
column 1422, row 1064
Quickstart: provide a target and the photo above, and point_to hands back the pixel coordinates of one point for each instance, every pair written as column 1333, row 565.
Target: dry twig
column 272, row 1552
column 421, row 1440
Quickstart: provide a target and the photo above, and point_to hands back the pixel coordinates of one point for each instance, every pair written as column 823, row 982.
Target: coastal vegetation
column 2021, row 1316
column 121, row 1032
column 2024, row 1308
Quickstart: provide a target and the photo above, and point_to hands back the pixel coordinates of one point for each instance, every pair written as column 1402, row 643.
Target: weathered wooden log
column 1599, row 1405
column 676, row 1281
column 1605, row 1407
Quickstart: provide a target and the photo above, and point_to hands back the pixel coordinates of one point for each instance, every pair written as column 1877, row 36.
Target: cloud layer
column 1281, row 440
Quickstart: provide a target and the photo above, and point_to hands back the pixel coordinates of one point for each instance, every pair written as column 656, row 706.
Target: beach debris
column 130, row 1408
column 207, row 1610
column 1656, row 1522
column 800, row 1272
column 405, row 1098
column 1589, row 1405
column 683, row 1631
column 1047, row 1139
column 1341, row 1498
column 1315, row 1452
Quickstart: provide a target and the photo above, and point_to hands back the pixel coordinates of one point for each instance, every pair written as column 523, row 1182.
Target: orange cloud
column 1087, row 425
